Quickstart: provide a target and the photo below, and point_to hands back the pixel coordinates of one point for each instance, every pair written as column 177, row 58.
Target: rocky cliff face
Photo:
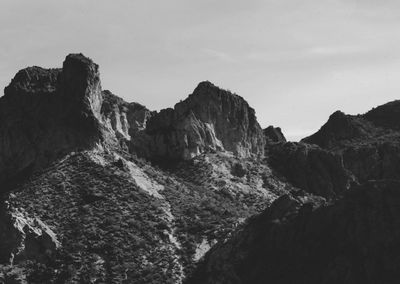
column 310, row 168
column 123, row 119
column 354, row 240
column 85, row 209
column 209, row 119
column 45, row 113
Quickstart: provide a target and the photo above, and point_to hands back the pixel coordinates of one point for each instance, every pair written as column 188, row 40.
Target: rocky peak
column 49, row 112
column 80, row 84
column 274, row 134
column 33, row 80
column 209, row 119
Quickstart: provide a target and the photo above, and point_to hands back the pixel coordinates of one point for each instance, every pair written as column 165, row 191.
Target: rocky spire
column 47, row 112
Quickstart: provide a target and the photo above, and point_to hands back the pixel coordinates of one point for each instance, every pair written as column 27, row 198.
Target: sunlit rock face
column 122, row 118
column 210, row 119
column 47, row 112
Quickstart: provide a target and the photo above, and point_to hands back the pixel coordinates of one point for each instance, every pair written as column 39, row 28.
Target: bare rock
column 209, row 119
column 310, row 168
column 122, row 118
column 46, row 113
column 23, row 238
column 274, row 134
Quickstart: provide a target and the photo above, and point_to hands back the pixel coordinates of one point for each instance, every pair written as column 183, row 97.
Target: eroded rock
column 46, row 113
column 209, row 119
column 274, row 134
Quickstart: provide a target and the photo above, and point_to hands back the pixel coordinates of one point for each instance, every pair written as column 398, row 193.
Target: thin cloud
column 223, row 56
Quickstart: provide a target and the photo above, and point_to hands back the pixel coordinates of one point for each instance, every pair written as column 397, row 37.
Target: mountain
column 94, row 189
column 351, row 236
column 368, row 143
column 210, row 119
column 98, row 190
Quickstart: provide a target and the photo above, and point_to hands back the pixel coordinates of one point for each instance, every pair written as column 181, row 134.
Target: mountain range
column 95, row 189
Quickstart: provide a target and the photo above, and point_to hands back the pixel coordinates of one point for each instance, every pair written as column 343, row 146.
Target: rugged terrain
column 351, row 236
column 98, row 190
column 83, row 197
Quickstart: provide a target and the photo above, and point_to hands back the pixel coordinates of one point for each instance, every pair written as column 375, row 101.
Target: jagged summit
column 209, row 119
column 65, row 109
column 32, row 80
column 49, row 112
column 274, row 134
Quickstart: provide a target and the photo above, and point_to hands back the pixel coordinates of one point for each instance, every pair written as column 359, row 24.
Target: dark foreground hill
column 354, row 240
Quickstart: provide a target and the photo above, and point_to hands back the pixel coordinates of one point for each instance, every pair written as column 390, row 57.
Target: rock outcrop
column 310, row 168
column 122, row 118
column 23, row 238
column 209, row 119
column 355, row 240
column 45, row 113
column 273, row 134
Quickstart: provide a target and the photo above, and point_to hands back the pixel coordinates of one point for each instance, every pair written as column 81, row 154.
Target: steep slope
column 309, row 167
column 209, row 119
column 355, row 240
column 369, row 143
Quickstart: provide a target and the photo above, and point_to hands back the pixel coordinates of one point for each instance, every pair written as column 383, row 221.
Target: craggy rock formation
column 122, row 118
column 310, row 168
column 209, row 119
column 355, row 240
column 45, row 113
column 273, row 134
column 87, row 210
column 23, row 238
column 369, row 143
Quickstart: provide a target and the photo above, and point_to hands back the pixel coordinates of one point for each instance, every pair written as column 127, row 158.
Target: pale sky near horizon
column 294, row 61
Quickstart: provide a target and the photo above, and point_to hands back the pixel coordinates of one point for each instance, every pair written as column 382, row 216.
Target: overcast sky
column 295, row 62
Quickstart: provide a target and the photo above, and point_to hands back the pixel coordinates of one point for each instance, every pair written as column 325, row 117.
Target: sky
column 295, row 62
